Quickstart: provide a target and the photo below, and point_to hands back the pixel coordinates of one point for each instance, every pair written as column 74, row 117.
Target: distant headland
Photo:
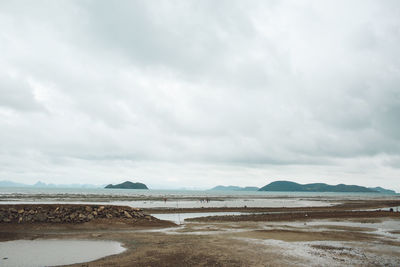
column 287, row 186
column 127, row 185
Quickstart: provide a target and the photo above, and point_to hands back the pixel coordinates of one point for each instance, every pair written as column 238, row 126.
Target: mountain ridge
column 288, row 186
column 39, row 184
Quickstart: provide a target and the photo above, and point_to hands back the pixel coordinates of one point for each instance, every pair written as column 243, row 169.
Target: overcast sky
column 200, row 93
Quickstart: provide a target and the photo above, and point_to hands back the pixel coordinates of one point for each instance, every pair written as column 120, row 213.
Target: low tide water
column 182, row 203
column 177, row 198
column 179, row 218
column 180, row 193
column 54, row 252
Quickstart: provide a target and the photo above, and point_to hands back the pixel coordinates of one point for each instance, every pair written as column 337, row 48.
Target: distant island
column 40, row 184
column 287, row 186
column 234, row 188
column 127, row 185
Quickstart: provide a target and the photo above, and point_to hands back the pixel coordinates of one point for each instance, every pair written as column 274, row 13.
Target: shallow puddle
column 179, row 218
column 54, row 252
column 394, row 209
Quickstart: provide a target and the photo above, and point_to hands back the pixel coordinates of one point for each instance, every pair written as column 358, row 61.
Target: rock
column 68, row 213
column 40, row 217
column 127, row 214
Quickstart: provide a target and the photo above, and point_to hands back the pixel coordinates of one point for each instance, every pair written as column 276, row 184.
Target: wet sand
column 369, row 238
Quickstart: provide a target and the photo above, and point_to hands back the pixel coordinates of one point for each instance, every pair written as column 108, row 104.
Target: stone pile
column 67, row 213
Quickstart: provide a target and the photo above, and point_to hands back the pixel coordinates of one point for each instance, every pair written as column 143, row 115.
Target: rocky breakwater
column 69, row 213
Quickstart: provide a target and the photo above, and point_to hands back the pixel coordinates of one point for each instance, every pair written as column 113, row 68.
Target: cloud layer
column 199, row 93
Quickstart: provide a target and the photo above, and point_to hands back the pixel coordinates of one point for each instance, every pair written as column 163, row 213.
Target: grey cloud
column 17, row 94
column 227, row 85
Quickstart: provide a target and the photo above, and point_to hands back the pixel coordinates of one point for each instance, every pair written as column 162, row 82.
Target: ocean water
column 178, row 198
column 179, row 218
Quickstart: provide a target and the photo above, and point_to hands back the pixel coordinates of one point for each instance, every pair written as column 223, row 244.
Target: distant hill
column 234, row 188
column 40, row 184
column 127, row 185
column 11, row 184
column 383, row 190
column 287, row 186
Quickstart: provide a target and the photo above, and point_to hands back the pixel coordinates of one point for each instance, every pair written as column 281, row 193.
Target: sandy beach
column 353, row 233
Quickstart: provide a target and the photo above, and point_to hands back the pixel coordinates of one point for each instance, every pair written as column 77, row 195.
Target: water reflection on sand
column 54, row 252
column 179, row 218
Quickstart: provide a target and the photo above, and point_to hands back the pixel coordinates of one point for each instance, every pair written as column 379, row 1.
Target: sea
column 179, row 198
column 165, row 192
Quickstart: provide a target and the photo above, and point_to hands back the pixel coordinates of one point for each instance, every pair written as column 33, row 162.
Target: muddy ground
column 368, row 239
